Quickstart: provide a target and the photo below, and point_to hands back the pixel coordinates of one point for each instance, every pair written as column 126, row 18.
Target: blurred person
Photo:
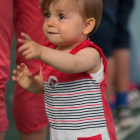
column 28, row 109
column 113, row 38
column 73, row 71
column 134, row 90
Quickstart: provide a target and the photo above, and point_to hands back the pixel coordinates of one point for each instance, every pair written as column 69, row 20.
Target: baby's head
column 86, row 8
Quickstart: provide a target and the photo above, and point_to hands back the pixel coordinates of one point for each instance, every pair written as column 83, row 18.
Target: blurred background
column 132, row 133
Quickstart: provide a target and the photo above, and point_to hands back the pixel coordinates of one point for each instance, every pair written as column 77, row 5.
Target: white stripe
column 77, row 117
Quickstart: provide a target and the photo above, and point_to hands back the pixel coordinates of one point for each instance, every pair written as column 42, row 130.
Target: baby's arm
column 85, row 60
column 25, row 79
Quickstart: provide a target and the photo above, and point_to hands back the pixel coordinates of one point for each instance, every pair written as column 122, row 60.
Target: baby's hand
column 30, row 48
column 23, row 76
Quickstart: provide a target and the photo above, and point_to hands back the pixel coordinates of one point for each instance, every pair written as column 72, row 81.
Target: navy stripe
column 77, row 110
column 74, row 128
column 63, row 99
column 70, row 102
column 80, row 123
column 69, row 91
column 73, row 114
column 75, row 96
column 65, row 118
column 83, row 92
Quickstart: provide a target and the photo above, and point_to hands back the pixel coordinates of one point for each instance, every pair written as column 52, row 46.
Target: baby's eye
column 62, row 16
column 47, row 15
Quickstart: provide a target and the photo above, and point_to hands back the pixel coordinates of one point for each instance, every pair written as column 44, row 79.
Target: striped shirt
column 75, row 102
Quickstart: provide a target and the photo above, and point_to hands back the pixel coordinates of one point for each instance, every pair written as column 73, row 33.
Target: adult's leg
column 122, row 55
column 121, row 45
column 104, row 37
column 28, row 108
column 122, row 61
column 2, row 135
column 110, row 78
column 6, row 31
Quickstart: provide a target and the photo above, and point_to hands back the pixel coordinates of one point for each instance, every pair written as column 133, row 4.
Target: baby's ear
column 89, row 26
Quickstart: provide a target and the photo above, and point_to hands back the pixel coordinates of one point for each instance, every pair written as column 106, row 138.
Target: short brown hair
column 87, row 8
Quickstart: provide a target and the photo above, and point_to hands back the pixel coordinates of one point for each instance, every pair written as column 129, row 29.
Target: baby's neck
column 68, row 48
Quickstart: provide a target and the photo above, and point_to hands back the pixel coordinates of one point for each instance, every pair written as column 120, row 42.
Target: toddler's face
column 63, row 26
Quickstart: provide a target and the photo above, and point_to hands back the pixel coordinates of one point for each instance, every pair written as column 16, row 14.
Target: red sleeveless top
column 76, row 101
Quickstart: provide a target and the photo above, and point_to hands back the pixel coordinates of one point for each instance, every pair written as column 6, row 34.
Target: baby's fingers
column 16, row 72
column 19, row 68
column 21, row 41
column 26, row 52
column 27, row 37
column 24, row 66
column 29, row 56
column 14, row 78
column 23, row 47
column 29, row 74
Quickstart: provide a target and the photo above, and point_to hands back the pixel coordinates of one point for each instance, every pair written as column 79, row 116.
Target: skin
column 120, row 70
column 2, row 135
column 110, row 78
column 39, row 3
column 57, row 21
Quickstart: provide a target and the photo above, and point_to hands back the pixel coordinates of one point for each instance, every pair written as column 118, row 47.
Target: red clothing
column 75, row 103
column 28, row 108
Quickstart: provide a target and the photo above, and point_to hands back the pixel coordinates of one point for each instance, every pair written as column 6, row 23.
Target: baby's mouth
column 52, row 33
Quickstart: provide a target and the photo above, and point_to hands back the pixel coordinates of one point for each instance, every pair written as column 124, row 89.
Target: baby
column 73, row 71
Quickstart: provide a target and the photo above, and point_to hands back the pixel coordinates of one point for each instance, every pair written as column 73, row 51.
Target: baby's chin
column 53, row 42
column 57, row 43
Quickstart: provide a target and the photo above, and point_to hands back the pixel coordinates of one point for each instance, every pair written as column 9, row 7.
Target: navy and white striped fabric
column 74, row 105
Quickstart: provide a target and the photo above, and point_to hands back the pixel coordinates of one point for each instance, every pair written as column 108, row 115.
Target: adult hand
column 30, row 49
